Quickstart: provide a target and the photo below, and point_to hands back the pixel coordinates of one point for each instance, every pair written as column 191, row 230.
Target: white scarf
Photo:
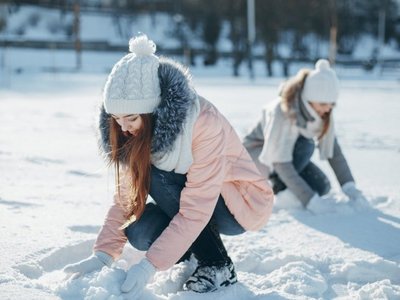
column 313, row 129
column 180, row 157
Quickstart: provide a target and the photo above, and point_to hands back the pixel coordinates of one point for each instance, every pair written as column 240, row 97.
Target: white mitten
column 320, row 205
column 137, row 278
column 354, row 194
column 93, row 263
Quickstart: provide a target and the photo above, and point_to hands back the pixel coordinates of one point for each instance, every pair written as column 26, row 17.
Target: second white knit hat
column 133, row 86
column 322, row 84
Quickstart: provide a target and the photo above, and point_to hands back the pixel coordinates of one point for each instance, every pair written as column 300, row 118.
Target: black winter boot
column 277, row 183
column 208, row 278
column 215, row 268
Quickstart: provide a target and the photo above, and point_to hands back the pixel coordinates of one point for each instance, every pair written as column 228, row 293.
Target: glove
column 320, row 205
column 349, row 188
column 137, row 277
column 93, row 263
column 354, row 194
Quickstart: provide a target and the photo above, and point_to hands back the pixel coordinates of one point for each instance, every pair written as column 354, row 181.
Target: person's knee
column 142, row 233
column 224, row 222
column 137, row 237
column 325, row 187
column 302, row 153
column 305, row 146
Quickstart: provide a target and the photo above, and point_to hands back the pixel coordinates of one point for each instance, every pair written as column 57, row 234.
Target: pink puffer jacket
column 221, row 165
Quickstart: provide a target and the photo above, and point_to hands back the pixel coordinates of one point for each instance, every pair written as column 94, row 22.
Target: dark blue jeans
column 165, row 189
column 302, row 153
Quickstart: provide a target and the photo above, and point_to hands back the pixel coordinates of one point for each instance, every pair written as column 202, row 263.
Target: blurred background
column 256, row 38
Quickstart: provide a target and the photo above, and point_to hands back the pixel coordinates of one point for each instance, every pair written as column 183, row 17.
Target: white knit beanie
column 133, row 86
column 321, row 84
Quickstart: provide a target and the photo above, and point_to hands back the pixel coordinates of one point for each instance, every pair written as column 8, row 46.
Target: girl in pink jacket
column 167, row 142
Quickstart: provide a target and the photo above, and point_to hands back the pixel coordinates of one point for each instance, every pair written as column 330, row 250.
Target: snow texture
column 55, row 191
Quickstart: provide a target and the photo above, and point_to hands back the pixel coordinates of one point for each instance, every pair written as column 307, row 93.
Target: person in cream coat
column 291, row 128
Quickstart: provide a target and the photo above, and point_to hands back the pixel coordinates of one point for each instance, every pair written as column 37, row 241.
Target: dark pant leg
column 172, row 183
column 316, row 179
column 302, row 152
column 225, row 221
column 142, row 233
column 165, row 189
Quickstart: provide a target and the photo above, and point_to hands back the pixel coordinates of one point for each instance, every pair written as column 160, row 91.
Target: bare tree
column 235, row 13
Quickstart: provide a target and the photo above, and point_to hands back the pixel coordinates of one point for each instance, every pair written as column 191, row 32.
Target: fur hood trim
column 177, row 96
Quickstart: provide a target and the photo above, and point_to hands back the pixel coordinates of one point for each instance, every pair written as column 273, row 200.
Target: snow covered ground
column 55, row 191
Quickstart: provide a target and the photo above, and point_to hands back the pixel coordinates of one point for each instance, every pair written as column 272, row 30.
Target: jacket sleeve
column 339, row 165
column 111, row 239
column 255, row 137
column 288, row 174
column 254, row 142
column 198, row 197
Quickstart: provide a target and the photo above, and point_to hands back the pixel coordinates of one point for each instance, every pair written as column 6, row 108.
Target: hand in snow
column 320, row 205
column 354, row 194
column 93, row 263
column 137, row 277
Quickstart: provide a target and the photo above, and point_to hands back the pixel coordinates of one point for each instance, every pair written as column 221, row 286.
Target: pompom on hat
column 133, row 86
column 321, row 84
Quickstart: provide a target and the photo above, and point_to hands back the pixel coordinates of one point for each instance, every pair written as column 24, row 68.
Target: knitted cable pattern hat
column 133, row 86
column 321, row 84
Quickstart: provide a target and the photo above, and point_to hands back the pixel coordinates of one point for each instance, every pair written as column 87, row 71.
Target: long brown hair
column 134, row 153
column 326, row 118
column 292, row 90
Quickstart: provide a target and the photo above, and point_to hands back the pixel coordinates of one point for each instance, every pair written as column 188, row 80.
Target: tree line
column 300, row 24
